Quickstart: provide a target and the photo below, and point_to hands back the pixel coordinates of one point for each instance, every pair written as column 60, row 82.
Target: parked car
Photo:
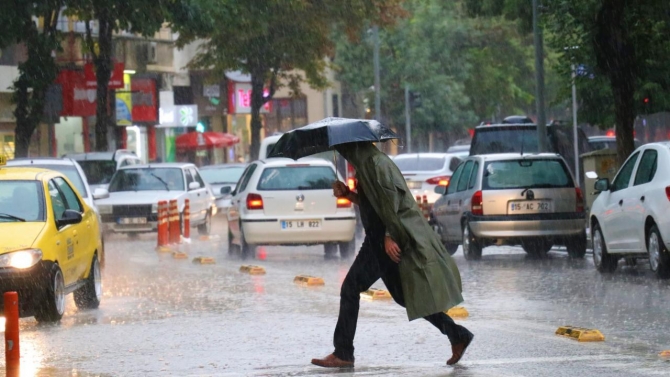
column 134, row 193
column 607, row 142
column 424, row 171
column 99, row 167
column 283, row 202
column 518, row 134
column 630, row 218
column 51, row 243
column 511, row 199
column 460, row 150
column 222, row 180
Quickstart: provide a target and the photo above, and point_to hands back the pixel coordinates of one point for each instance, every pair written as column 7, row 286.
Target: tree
column 271, row 40
column 39, row 70
column 143, row 17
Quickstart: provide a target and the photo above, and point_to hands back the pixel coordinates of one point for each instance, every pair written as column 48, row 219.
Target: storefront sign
column 124, row 109
column 144, row 100
column 115, row 81
column 211, row 91
column 179, row 116
column 78, row 100
column 239, row 101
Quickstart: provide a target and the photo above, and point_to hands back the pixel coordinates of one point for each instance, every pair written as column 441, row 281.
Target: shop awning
column 205, row 140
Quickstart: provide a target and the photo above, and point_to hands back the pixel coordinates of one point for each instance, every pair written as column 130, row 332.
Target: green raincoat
column 431, row 282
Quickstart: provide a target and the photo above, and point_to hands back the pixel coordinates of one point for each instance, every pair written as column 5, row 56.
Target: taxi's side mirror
column 70, row 217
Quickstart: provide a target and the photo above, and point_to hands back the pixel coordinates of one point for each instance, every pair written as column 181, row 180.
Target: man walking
column 401, row 249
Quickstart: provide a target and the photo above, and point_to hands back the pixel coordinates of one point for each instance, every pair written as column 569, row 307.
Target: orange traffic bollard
column 187, row 220
column 162, row 223
column 173, row 218
column 12, row 349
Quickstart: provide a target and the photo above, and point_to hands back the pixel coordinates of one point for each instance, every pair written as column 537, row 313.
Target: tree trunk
column 103, row 66
column 24, row 126
column 615, row 54
column 257, row 102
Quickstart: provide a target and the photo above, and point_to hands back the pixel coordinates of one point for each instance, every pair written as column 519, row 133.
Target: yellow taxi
column 50, row 243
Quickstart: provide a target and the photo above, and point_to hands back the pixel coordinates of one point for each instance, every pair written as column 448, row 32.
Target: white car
column 283, row 202
column 222, row 180
column 424, row 171
column 134, row 193
column 99, row 167
column 630, row 218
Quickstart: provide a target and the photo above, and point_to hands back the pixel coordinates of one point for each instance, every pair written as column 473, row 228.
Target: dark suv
column 519, row 134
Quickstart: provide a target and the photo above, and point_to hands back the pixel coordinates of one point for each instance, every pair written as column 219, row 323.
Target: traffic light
column 415, row 99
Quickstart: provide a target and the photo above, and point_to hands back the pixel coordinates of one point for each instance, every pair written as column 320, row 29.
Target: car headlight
column 154, row 208
column 105, row 210
column 21, row 259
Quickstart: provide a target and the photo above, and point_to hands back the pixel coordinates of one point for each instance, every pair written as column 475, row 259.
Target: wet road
column 162, row 316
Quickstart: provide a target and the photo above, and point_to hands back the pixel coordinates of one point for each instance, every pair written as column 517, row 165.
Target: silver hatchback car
column 511, row 199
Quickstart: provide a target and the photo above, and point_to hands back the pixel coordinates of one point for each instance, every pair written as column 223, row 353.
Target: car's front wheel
column 205, row 228
column 603, row 260
column 53, row 306
column 659, row 260
column 472, row 248
column 90, row 294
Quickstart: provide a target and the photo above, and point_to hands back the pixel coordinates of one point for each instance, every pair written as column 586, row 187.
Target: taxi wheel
column 90, row 294
column 53, row 307
column 205, row 228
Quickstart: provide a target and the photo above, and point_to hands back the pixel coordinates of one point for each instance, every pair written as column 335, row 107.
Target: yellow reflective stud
column 458, row 312
column 376, row 294
column 306, row 280
column 252, row 270
column 580, row 334
column 204, row 260
column 179, row 255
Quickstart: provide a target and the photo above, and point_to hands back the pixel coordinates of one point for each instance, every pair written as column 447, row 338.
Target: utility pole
column 574, row 123
column 378, row 102
column 408, row 122
column 539, row 82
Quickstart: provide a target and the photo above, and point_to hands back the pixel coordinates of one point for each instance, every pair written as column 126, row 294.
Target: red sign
column 239, row 99
column 78, row 100
column 115, row 82
column 144, row 101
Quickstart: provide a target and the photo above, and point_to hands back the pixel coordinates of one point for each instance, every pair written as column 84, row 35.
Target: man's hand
column 340, row 189
column 392, row 249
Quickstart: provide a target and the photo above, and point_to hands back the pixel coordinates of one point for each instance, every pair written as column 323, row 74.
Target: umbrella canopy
column 321, row 136
column 205, row 140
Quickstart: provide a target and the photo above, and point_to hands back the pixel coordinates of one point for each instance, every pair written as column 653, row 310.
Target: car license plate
column 530, row 206
column 414, row 184
column 132, row 220
column 300, row 224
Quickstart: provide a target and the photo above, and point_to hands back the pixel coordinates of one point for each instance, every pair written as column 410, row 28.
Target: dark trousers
column 371, row 264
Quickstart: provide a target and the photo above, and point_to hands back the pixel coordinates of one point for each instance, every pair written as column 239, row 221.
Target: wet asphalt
column 167, row 317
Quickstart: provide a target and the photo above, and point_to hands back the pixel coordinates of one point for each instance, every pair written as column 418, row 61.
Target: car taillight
column 442, row 180
column 343, row 203
column 351, row 182
column 667, row 192
column 477, row 204
column 579, row 198
column 254, row 201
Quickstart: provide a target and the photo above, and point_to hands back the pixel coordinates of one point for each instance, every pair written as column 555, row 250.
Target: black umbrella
column 323, row 135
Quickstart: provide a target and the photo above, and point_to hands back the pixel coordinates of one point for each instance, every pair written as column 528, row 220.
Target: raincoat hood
column 19, row 235
column 430, row 278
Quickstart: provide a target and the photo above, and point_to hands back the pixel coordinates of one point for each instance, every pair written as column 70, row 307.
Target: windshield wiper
column 167, row 187
column 8, row 216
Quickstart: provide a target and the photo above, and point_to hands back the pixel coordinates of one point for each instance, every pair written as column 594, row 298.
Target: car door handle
column 621, row 202
column 642, row 199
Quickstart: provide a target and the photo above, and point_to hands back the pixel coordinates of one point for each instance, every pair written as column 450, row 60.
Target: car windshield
column 525, row 173
column 98, row 172
column 147, row 179
column 222, row 175
column 504, row 140
column 297, row 178
column 21, row 201
column 71, row 172
column 419, row 163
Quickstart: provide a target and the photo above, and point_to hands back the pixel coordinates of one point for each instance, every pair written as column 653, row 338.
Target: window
column 197, row 177
column 189, row 178
column 22, row 199
column 464, row 179
column 473, row 176
column 98, row 172
column 71, row 172
column 57, row 201
column 622, row 179
column 526, row 173
column 454, row 178
column 148, row 179
column 222, row 175
column 244, row 181
column 297, row 178
column 647, row 168
column 70, row 197
column 419, row 163
column 286, row 114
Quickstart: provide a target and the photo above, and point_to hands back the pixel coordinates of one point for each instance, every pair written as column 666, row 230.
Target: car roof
column 516, row 156
column 159, row 165
column 42, row 161
column 223, row 166
column 277, row 162
column 506, row 125
column 92, row 156
column 426, row 155
column 21, row 173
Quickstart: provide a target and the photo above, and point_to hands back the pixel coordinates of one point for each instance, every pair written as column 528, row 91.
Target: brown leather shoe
column 457, row 351
column 332, row 361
